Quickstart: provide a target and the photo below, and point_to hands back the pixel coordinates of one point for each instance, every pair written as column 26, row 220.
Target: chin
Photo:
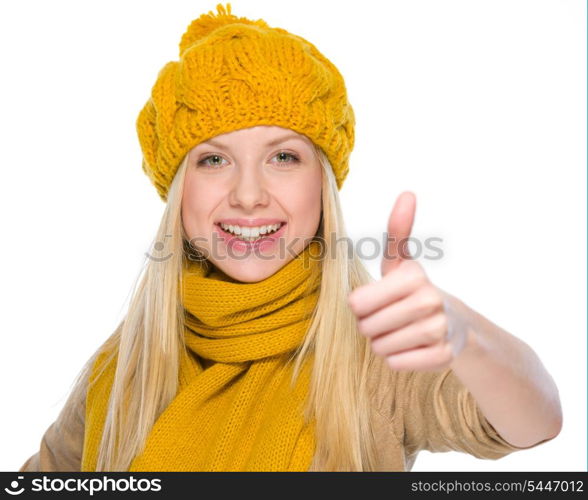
column 251, row 272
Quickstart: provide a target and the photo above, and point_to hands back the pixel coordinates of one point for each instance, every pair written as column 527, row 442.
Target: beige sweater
column 414, row 411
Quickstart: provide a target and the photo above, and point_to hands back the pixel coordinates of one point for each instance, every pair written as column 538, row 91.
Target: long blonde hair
column 149, row 341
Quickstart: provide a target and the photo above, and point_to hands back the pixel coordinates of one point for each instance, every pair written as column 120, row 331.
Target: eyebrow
column 270, row 143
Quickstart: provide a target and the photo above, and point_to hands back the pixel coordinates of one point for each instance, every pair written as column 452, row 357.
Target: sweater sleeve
column 62, row 443
column 440, row 414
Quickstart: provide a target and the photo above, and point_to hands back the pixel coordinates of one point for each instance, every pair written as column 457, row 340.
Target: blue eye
column 204, row 160
column 282, row 154
column 295, row 159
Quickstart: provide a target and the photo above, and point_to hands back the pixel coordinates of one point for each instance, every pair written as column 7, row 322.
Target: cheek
column 305, row 203
column 198, row 201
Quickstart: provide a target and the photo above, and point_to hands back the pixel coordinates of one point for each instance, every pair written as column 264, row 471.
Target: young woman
column 256, row 340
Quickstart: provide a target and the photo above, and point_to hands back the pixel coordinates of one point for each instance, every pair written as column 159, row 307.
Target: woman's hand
column 409, row 321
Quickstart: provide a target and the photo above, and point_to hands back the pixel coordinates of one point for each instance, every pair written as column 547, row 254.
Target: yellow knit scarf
column 238, row 411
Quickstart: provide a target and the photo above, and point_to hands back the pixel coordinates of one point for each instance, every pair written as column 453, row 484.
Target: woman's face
column 241, row 182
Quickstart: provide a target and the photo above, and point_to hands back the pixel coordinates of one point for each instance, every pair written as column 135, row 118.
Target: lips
column 263, row 242
column 250, row 222
column 281, row 224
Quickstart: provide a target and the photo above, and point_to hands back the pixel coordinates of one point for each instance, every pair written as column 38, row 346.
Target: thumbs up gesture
column 408, row 320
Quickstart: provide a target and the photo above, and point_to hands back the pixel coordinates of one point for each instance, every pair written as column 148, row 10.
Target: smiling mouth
column 250, row 239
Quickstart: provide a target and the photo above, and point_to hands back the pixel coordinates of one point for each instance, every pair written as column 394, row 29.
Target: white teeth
column 250, row 233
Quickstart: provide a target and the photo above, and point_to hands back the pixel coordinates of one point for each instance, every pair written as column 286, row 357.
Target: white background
column 478, row 107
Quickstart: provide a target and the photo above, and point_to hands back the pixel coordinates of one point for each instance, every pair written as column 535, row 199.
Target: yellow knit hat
column 236, row 73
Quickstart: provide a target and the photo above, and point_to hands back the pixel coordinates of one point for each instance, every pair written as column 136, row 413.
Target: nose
column 249, row 188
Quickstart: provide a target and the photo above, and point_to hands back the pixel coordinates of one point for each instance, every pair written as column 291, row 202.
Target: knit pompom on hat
column 236, row 73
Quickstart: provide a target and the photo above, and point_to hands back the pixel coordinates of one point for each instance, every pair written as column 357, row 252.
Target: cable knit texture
column 238, row 412
column 236, row 73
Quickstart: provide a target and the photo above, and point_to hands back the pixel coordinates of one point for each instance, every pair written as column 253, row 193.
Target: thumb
column 400, row 225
